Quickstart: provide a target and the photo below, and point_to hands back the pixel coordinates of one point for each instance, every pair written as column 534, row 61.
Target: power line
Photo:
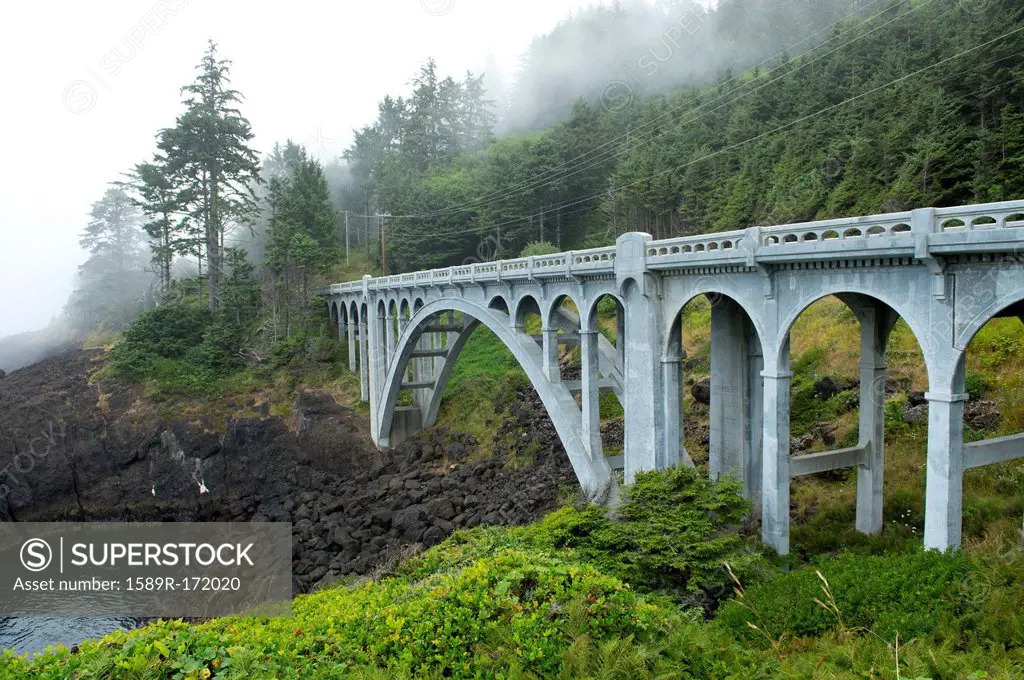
column 755, row 138
column 526, row 185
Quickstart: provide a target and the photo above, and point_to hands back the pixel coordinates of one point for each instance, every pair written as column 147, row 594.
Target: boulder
column 702, row 391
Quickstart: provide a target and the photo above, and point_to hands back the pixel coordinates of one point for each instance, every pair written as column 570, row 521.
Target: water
column 32, row 634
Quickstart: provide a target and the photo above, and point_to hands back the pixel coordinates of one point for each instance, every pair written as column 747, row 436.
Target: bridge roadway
column 945, row 272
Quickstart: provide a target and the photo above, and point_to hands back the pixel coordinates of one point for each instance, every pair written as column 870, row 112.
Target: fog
column 89, row 84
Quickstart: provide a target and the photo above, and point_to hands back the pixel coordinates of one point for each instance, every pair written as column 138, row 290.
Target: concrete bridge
column 945, row 271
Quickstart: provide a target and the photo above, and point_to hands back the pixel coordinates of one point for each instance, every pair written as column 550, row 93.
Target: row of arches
column 751, row 380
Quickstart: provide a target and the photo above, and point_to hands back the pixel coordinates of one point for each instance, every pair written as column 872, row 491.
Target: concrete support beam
column 826, row 461
column 775, row 480
column 549, row 345
column 591, row 406
column 672, row 451
column 644, row 422
column 351, row 330
column 990, row 451
column 730, row 397
column 604, row 386
column 944, row 488
column 389, row 330
column 364, row 368
column 755, row 428
column 876, row 322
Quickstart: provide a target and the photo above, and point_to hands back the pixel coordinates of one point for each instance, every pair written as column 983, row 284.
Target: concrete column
column 389, row 331
column 351, row 329
column 550, row 347
column 591, row 406
column 620, row 335
column 670, row 452
column 730, row 407
column 755, row 426
column 644, row 422
column 775, row 478
column 364, row 369
column 943, row 515
column 874, row 335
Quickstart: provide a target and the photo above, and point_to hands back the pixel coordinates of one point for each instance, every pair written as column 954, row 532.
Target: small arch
column 810, row 236
column 699, row 248
column 951, row 225
column 853, row 232
column 526, row 306
column 499, row 303
column 726, row 245
column 983, row 222
column 674, row 250
column 901, row 228
column 1014, row 221
column 713, row 246
column 829, row 235
column 789, row 238
column 687, row 249
column 771, row 241
column 877, row 230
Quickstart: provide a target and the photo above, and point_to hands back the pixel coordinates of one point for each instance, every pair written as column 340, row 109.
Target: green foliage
column 181, row 349
column 907, row 593
column 975, row 385
column 539, row 248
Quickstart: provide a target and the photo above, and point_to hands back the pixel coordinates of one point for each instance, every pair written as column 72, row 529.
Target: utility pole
column 346, row 239
column 383, row 245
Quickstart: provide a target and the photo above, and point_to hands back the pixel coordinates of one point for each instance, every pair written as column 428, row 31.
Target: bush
column 975, row 385
column 539, row 248
column 509, row 614
column 907, row 593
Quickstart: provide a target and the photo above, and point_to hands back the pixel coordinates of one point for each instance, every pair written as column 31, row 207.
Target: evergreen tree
column 208, row 152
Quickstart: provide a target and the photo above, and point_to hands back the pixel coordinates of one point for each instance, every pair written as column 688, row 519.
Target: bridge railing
column 957, row 229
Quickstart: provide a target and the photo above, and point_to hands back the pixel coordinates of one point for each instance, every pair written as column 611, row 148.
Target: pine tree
column 209, row 154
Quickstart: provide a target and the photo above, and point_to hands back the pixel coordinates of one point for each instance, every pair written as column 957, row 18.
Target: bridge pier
column 350, row 329
column 776, row 475
column 364, row 350
column 735, row 396
column 591, row 399
column 876, row 323
column 644, row 425
column 944, row 486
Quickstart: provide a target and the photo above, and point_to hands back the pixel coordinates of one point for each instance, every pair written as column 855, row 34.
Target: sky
column 88, row 84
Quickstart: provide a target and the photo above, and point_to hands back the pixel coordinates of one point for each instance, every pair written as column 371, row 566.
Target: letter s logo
column 36, row 554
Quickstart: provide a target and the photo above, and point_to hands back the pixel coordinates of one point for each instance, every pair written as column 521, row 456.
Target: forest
column 894, row 106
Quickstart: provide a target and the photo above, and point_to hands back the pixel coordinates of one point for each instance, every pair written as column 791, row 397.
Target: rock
column 916, row 398
column 2, row 374
column 801, row 443
column 915, row 414
column 826, row 387
column 701, row 391
column 895, row 383
column 982, row 415
column 433, row 536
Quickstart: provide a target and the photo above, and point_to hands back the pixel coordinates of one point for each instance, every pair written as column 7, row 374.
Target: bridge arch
column 594, row 474
column 526, row 304
column 500, row 303
column 918, row 326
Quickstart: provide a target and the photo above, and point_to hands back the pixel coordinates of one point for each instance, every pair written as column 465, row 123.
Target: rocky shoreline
column 81, row 451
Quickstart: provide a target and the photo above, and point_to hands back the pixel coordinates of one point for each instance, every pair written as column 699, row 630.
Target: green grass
column 578, row 596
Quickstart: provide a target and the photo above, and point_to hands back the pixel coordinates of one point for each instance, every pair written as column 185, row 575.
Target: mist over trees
column 883, row 111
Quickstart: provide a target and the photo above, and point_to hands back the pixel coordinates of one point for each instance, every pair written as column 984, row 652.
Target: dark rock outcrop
column 75, row 450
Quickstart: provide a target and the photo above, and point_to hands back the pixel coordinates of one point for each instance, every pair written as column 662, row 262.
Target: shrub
column 539, row 248
column 907, row 593
column 975, row 385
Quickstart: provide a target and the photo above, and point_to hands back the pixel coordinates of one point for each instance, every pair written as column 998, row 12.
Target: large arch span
column 593, row 472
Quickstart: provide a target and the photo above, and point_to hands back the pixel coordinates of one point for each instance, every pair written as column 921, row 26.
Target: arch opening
column 856, row 430
column 712, row 378
column 991, row 375
column 477, row 321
